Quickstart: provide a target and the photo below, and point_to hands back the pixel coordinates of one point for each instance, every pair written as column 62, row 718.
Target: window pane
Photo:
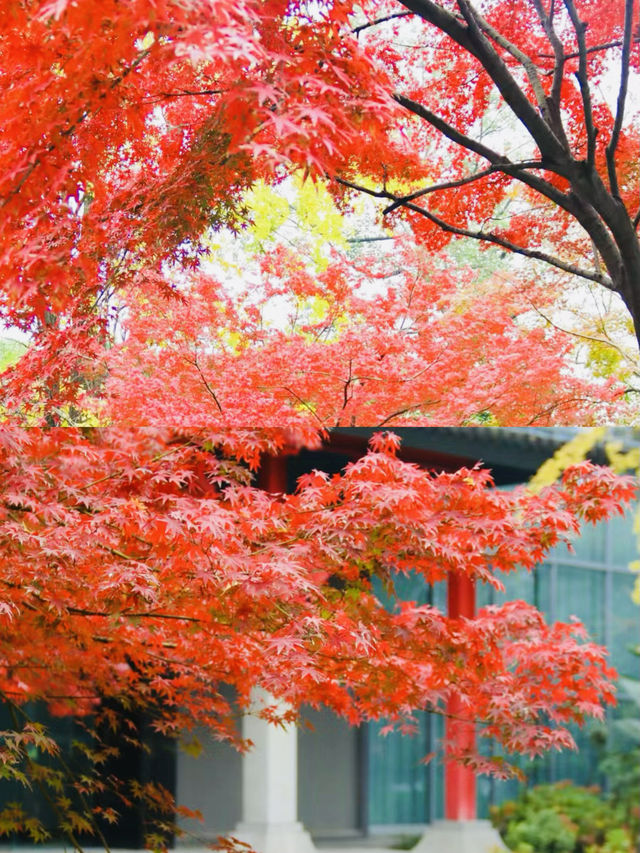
column 625, row 625
column 580, row 592
column 398, row 780
column 624, row 547
column 589, row 545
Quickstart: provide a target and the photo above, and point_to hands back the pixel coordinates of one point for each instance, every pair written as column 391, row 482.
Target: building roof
column 512, row 453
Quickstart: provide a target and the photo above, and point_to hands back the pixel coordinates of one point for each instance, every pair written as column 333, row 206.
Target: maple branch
column 192, row 92
column 47, row 696
column 447, row 185
column 489, row 237
column 472, row 39
column 449, row 130
column 119, row 472
column 583, row 81
column 502, row 162
column 142, row 614
column 304, row 403
column 347, row 383
column 204, row 380
column 558, row 69
column 121, row 554
column 573, row 203
column 357, row 30
column 622, row 95
column 523, row 58
column 82, row 611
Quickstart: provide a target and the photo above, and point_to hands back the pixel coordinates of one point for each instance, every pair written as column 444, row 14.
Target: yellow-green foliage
column 622, row 462
column 10, row 352
column 603, row 359
column 317, row 213
column 310, row 209
column 572, row 452
column 268, row 210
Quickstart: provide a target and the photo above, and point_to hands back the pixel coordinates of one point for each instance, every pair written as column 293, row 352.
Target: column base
column 275, row 837
column 460, row 836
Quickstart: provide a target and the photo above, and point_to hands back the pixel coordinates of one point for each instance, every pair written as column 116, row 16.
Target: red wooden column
column 460, row 782
column 272, row 474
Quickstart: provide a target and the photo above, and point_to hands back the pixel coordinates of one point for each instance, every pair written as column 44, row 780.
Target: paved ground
column 380, row 844
column 366, row 845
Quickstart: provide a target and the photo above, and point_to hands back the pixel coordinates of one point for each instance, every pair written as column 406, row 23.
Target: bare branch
column 489, row 237
column 596, row 48
column 447, row 185
column 583, row 81
column 368, row 239
column 558, row 71
column 357, row 30
column 606, row 340
column 622, row 95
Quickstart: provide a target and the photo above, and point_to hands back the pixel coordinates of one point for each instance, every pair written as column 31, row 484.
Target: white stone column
column 270, row 786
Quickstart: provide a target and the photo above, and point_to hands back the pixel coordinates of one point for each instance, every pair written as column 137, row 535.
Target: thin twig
column 447, row 185
column 357, row 30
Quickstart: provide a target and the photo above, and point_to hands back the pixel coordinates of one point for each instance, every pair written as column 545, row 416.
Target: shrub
column 563, row 818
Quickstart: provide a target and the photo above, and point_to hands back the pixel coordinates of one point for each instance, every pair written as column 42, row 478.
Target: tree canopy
column 144, row 567
column 129, row 134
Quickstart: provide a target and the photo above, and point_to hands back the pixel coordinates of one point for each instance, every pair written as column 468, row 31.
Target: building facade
column 354, row 782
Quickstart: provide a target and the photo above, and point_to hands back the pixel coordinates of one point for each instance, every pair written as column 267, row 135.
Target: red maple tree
column 127, row 133
column 431, row 348
column 145, row 568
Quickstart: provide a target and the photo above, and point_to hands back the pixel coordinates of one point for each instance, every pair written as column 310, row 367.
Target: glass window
column 398, row 779
column 588, row 546
column 622, row 540
column 625, row 625
column 580, row 592
column 401, row 788
column 517, row 585
column 543, row 584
